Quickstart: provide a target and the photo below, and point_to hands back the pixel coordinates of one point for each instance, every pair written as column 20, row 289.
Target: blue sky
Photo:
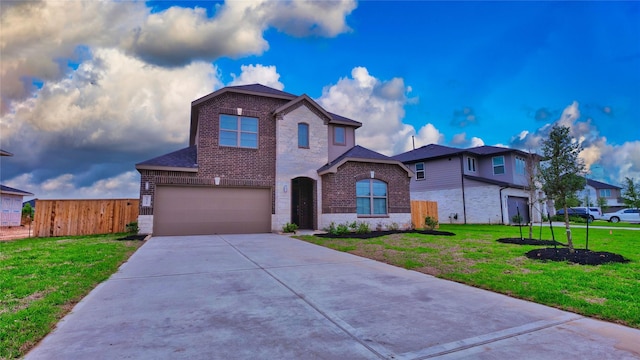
column 94, row 88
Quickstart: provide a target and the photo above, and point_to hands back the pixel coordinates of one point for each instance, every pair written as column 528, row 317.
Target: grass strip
column 43, row 278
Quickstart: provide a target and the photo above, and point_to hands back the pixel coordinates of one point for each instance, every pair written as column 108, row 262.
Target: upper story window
column 239, row 131
column 605, row 193
column 520, row 166
column 339, row 135
column 419, row 171
column 303, row 135
column 498, row 165
column 471, row 164
column 371, row 197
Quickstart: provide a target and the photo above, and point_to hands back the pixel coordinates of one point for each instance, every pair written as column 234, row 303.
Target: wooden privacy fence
column 420, row 210
column 83, row 217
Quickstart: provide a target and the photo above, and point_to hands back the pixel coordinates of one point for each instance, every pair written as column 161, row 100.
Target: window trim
column 239, row 131
column 372, row 197
column 305, row 125
column 603, row 193
column 424, row 173
column 344, row 129
column 504, row 170
column 471, row 164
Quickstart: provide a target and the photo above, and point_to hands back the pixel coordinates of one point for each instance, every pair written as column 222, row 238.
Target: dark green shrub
column 430, row 222
column 342, row 229
column 517, row 219
column 132, row 227
column 289, row 228
column 363, row 228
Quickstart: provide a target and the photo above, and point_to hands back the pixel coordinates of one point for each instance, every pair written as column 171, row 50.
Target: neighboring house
column 11, row 202
column 11, row 205
column 481, row 185
column 259, row 158
column 596, row 190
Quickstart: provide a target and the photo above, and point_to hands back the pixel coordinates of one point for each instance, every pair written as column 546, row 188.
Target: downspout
column 464, row 203
column 501, row 207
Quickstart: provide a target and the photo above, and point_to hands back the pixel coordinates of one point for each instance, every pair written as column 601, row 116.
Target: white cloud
column 476, row 141
column 379, row 105
column 125, row 185
column 460, row 140
column 251, row 74
column 614, row 162
column 39, row 37
column 109, row 102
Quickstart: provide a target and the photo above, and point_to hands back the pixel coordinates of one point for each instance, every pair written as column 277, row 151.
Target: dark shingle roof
column 600, row 185
column 5, row 153
column 357, row 152
column 343, row 120
column 7, row 189
column 427, row 152
column 183, row 158
column 433, row 151
column 259, row 88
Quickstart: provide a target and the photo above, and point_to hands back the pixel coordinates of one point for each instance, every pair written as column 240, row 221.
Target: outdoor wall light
column 239, row 111
column 146, row 185
column 285, row 188
column 373, row 174
column 216, row 180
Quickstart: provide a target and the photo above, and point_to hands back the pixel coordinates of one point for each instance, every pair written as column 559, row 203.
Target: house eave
column 23, row 193
column 166, row 168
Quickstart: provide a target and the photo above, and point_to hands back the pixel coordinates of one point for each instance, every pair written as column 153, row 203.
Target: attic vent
column 239, row 111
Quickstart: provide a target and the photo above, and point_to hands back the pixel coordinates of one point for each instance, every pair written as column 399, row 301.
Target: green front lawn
column 610, row 224
column 610, row 292
column 42, row 279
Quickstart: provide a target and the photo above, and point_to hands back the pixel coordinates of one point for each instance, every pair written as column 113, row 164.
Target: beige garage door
column 183, row 210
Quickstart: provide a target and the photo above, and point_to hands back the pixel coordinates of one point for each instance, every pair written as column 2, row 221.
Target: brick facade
column 339, row 189
column 275, row 163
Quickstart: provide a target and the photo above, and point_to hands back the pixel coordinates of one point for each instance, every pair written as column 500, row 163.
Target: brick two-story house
column 259, row 158
column 482, row 185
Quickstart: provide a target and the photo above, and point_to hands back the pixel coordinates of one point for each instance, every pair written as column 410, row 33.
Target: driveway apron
column 267, row 296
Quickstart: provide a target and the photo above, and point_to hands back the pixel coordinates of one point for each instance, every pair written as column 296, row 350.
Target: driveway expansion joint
column 460, row 345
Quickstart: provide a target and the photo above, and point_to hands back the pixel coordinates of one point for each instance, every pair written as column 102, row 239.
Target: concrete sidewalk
column 273, row 297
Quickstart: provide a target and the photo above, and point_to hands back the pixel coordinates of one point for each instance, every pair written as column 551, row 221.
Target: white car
column 628, row 215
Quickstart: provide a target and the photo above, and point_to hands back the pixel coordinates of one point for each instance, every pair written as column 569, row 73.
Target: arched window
column 303, row 135
column 371, row 197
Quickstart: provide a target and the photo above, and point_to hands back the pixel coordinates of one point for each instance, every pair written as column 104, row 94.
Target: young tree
column 631, row 193
column 602, row 203
column 561, row 171
column 531, row 168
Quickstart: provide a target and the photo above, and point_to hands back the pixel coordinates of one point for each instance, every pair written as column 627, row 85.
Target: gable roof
column 181, row 160
column 361, row 154
column 261, row 90
column 333, row 118
column 600, row 185
column 12, row 191
column 5, row 153
column 496, row 182
column 435, row 151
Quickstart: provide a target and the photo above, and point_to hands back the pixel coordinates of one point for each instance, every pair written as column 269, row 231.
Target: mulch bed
column 374, row 234
column 527, row 241
column 579, row 256
column 132, row 237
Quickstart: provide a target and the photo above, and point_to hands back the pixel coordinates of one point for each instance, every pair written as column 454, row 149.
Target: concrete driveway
column 273, row 297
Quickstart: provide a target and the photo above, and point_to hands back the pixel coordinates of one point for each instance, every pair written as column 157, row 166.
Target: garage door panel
column 204, row 210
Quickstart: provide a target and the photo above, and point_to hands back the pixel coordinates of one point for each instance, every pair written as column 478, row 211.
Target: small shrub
column 132, row 227
column 430, row 222
column 331, row 229
column 517, row 219
column 289, row 228
column 353, row 226
column 363, row 228
column 342, row 229
column 393, row 226
column 379, row 226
